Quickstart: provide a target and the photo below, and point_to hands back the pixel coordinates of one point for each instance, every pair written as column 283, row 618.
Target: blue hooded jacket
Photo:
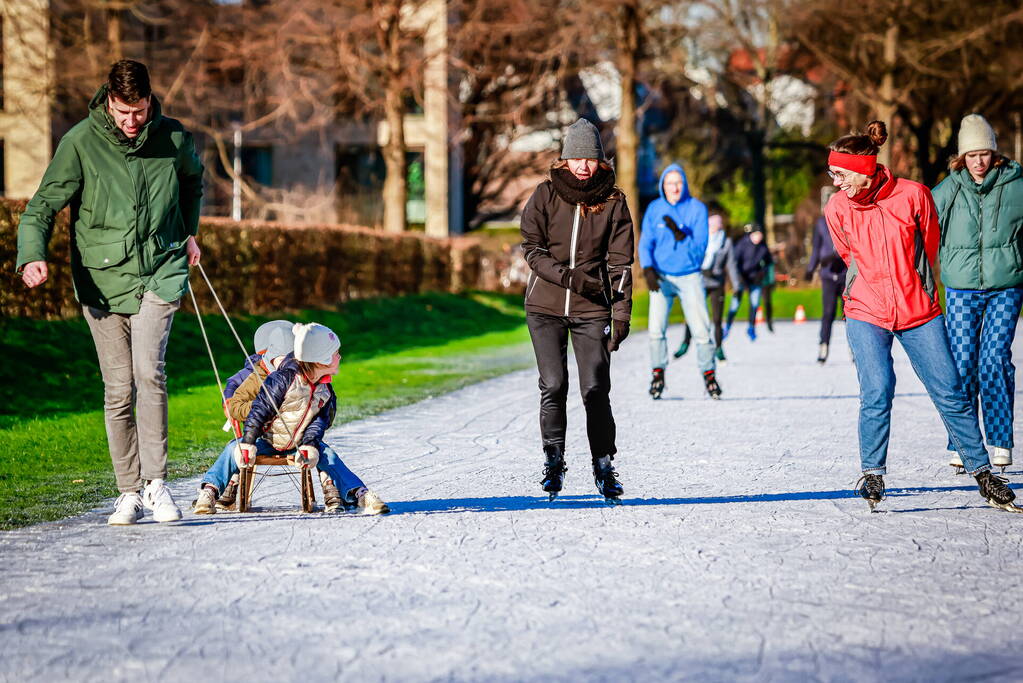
column 657, row 244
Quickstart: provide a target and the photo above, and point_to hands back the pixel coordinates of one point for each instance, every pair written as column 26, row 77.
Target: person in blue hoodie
column 671, row 249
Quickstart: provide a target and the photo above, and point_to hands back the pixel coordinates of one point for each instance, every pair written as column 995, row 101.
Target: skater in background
column 980, row 209
column 833, row 272
column 752, row 258
column 886, row 230
column 134, row 183
column 577, row 238
column 288, row 394
column 672, row 245
column 767, row 295
column 718, row 262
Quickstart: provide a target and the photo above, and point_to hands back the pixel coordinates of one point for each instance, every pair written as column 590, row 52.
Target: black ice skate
column 553, row 470
column 996, row 492
column 713, row 388
column 657, row 383
column 822, row 353
column 606, row 479
column 872, row 489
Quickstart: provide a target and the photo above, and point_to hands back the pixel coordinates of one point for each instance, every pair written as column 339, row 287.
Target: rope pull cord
column 241, row 345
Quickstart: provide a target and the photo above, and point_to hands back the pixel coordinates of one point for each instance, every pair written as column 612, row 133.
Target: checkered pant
column 981, row 326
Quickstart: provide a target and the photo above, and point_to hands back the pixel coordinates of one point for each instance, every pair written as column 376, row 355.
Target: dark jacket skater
column 833, row 272
column 578, row 241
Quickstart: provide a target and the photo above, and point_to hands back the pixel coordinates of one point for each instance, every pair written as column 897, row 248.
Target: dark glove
column 673, row 226
column 653, row 281
column 584, row 284
column 619, row 331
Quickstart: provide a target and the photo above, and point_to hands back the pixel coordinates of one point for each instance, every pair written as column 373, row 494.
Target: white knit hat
column 315, row 343
column 976, row 134
column 261, row 340
column 280, row 343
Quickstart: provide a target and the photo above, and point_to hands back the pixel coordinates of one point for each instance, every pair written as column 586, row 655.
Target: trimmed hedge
column 260, row 267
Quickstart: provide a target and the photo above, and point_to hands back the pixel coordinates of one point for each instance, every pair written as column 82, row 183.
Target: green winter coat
column 133, row 205
column 981, row 229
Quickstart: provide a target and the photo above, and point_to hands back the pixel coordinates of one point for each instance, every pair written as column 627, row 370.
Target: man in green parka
column 134, row 183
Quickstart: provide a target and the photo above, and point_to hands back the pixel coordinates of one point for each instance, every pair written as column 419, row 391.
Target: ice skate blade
column 613, row 501
column 959, row 469
column 873, row 505
column 552, row 496
column 1008, row 507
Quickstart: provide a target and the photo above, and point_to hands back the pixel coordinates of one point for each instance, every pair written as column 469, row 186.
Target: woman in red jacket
column 886, row 230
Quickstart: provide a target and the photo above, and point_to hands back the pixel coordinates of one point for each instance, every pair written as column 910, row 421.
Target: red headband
column 858, row 163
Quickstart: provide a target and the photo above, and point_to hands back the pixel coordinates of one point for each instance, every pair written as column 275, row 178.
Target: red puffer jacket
column 889, row 241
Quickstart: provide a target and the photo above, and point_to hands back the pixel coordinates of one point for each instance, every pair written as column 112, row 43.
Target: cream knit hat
column 976, row 134
column 315, row 343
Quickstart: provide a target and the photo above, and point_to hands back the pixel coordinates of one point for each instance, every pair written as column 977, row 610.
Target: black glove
column 653, row 281
column 584, row 284
column 673, row 226
column 619, row 331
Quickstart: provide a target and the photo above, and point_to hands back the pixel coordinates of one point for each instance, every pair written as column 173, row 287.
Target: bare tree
column 926, row 65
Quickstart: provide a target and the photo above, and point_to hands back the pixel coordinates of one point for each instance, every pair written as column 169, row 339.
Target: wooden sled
column 249, row 479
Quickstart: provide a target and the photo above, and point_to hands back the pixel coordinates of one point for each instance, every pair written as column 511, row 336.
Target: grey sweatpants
column 131, row 349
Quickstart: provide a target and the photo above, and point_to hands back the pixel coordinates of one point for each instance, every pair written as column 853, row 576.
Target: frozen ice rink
column 739, row 552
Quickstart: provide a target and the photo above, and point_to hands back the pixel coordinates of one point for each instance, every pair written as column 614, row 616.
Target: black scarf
column 591, row 192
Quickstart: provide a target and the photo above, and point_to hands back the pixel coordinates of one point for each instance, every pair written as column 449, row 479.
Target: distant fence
column 259, row 267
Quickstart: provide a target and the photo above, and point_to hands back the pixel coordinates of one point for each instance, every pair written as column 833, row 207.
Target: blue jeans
column 690, row 292
column 928, row 351
column 225, row 467
column 981, row 326
column 754, row 304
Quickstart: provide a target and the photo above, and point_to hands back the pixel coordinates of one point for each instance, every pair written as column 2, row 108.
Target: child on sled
column 287, row 403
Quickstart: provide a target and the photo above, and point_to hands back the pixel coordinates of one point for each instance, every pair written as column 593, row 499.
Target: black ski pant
column 716, row 296
column 831, row 294
column 765, row 298
column 550, row 334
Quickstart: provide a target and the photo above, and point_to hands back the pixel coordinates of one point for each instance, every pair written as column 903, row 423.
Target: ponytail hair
column 867, row 143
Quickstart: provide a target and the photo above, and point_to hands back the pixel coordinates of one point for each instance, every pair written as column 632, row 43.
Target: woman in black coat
column 577, row 239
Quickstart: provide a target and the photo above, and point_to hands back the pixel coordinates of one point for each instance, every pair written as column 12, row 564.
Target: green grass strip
column 53, row 457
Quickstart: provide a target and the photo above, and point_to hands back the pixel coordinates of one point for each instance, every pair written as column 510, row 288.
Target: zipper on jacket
column 308, row 405
column 571, row 258
column 621, row 283
column 980, row 234
column 531, row 285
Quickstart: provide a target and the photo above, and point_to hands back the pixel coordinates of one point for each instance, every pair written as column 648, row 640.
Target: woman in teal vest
column 980, row 208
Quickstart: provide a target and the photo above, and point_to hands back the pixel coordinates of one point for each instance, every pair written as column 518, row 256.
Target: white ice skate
column 1001, row 457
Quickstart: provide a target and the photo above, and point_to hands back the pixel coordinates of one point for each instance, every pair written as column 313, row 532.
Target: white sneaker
column 954, row 460
column 157, row 497
column 1001, row 457
column 127, row 509
column 206, row 503
column 369, row 503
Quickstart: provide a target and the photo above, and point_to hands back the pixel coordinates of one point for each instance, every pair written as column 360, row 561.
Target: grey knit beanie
column 582, row 141
column 976, row 134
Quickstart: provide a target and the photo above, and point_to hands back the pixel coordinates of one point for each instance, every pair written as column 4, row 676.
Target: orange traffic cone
column 800, row 315
column 760, row 315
